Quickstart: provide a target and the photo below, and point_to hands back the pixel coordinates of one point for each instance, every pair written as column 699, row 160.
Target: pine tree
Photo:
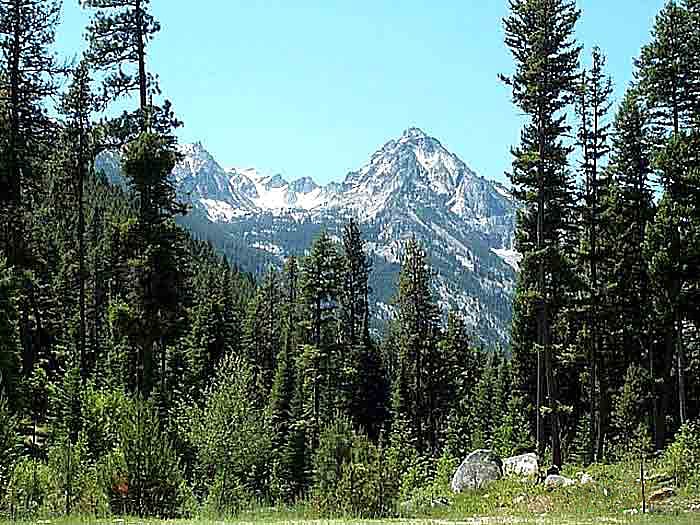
column 540, row 36
column 27, row 30
column 664, row 68
column 118, row 38
column 465, row 368
column 365, row 389
column 418, row 332
column 157, row 269
column 78, row 106
column 673, row 254
column 319, row 287
column 628, row 210
column 668, row 74
column 262, row 333
column 355, row 288
column 594, row 105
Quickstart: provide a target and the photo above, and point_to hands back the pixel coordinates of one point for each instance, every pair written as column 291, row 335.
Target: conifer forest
column 142, row 373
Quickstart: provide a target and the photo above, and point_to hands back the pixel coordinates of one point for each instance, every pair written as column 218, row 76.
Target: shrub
column 28, row 488
column 334, row 450
column 231, row 439
column 9, row 443
column 154, row 482
column 683, row 456
column 352, row 475
column 427, row 481
column 71, row 474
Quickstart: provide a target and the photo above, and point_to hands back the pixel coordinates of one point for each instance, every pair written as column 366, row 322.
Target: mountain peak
column 414, row 133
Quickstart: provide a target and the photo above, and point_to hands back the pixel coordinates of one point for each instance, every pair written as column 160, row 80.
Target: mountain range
column 411, row 186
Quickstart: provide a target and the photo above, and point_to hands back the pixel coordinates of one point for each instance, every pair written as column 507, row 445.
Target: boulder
column 524, row 466
column 479, row 468
column 586, row 479
column 554, row 481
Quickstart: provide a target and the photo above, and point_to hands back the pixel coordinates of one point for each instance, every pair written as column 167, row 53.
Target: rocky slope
column 410, row 186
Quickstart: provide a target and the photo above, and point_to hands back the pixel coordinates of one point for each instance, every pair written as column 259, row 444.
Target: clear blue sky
column 314, row 87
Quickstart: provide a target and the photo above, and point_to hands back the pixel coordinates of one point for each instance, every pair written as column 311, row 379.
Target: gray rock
column 554, row 481
column 524, row 466
column 586, row 479
column 479, row 468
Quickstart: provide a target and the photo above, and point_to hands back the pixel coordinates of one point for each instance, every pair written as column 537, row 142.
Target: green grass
column 652, row 519
column 506, row 501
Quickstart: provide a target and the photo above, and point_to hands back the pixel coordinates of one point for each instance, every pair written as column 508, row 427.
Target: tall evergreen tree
column 540, row 37
column 319, row 286
column 27, row 31
column 594, row 105
column 628, row 210
column 667, row 73
column 664, row 68
column 364, row 384
column 262, row 333
column 156, row 269
column 118, row 38
column 78, row 106
column 416, row 381
column 673, row 252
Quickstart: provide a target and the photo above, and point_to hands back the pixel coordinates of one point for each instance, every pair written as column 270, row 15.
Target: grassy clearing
column 506, row 501
column 652, row 519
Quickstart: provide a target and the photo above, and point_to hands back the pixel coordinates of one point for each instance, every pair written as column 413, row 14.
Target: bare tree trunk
column 141, row 51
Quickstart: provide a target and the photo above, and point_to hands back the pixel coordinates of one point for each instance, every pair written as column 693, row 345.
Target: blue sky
column 314, row 87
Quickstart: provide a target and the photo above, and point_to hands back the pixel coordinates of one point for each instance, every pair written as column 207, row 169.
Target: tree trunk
column 82, row 168
column 141, row 52
column 680, row 365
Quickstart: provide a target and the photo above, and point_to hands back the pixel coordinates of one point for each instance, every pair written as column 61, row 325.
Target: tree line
column 141, row 373
column 605, row 331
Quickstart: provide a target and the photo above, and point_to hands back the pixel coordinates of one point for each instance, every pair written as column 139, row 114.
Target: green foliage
column 683, row 455
column 118, row 36
column 334, row 450
column 151, row 475
column 73, row 477
column 9, row 334
column 28, row 489
column 231, row 438
column 421, row 366
column 541, row 39
column 145, row 375
column 630, row 408
column 351, row 477
column 9, row 443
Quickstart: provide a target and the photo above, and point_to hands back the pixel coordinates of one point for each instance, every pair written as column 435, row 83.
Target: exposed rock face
column 554, row 481
column 411, row 187
column 524, row 466
column 479, row 468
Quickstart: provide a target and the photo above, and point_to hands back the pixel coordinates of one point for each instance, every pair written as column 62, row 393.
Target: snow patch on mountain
column 510, row 256
column 412, row 186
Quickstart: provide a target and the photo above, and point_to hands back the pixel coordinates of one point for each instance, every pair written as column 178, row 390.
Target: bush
column 232, row 440
column 9, row 443
column 351, row 475
column 28, row 489
column 683, row 456
column 427, row 481
column 154, row 483
column 334, row 450
column 72, row 474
